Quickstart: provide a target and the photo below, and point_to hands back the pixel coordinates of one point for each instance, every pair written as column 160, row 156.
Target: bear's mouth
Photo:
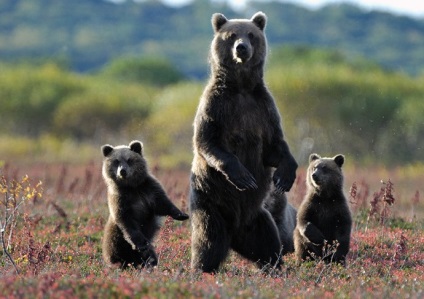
column 240, row 59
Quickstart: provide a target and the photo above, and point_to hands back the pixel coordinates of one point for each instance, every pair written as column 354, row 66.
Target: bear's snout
column 241, row 51
column 315, row 179
column 122, row 172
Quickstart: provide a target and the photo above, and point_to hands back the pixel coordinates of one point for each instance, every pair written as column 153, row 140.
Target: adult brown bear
column 239, row 150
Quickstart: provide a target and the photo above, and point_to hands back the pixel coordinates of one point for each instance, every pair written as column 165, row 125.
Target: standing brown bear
column 324, row 221
column 135, row 200
column 238, row 143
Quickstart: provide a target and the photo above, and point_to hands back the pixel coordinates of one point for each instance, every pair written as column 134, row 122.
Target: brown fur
column 284, row 215
column 135, row 200
column 323, row 218
column 238, row 141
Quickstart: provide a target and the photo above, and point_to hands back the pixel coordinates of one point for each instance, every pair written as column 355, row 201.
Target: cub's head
column 238, row 41
column 124, row 165
column 325, row 174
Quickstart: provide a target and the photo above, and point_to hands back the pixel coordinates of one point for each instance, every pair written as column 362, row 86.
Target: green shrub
column 29, row 96
column 330, row 104
column 106, row 109
column 155, row 71
column 169, row 128
column 47, row 148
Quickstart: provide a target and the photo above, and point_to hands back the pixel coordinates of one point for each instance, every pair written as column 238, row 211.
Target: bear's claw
column 245, row 182
column 283, row 185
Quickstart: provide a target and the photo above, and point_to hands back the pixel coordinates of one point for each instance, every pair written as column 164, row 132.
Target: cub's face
column 239, row 41
column 325, row 173
column 123, row 164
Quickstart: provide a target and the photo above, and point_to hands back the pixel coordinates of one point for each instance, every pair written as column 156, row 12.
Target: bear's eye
column 233, row 35
column 250, row 35
column 129, row 161
column 115, row 162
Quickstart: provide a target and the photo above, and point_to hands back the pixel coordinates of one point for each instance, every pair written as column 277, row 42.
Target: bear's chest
column 245, row 120
column 327, row 217
column 134, row 204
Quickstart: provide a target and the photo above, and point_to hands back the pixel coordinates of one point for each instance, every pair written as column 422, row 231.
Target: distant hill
column 86, row 34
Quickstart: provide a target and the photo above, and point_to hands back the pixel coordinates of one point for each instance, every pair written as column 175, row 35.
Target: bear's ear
column 107, row 149
column 259, row 19
column 136, row 146
column 218, row 19
column 314, row 157
column 339, row 159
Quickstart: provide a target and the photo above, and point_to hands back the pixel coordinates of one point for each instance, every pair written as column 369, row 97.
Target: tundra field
column 52, row 219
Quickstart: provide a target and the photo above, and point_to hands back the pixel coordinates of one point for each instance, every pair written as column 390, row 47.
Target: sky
column 412, row 8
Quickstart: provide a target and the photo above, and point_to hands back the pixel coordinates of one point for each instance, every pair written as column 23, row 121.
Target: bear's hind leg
column 115, row 249
column 210, row 241
column 300, row 249
column 259, row 241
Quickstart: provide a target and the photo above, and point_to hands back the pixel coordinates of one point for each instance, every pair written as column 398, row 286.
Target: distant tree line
column 86, row 34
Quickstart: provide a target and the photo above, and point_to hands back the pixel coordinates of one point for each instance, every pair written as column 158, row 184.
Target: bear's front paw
column 244, row 182
column 285, row 175
column 239, row 176
column 282, row 185
column 181, row 216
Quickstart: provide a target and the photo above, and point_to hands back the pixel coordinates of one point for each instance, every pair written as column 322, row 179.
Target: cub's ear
column 218, row 19
column 259, row 19
column 339, row 159
column 314, row 157
column 136, row 146
column 106, row 150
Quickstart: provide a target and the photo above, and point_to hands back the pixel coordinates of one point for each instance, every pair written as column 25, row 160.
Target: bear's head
column 238, row 41
column 124, row 165
column 325, row 174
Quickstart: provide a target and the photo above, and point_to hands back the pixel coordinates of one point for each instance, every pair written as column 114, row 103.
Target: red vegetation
column 52, row 233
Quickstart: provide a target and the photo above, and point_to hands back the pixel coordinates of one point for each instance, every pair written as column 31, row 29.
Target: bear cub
column 324, row 220
column 284, row 215
column 135, row 200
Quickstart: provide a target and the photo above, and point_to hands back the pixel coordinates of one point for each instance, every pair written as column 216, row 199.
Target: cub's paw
column 149, row 258
column 142, row 247
column 181, row 216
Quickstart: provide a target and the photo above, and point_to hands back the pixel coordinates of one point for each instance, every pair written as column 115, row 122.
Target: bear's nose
column 122, row 172
column 241, row 48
